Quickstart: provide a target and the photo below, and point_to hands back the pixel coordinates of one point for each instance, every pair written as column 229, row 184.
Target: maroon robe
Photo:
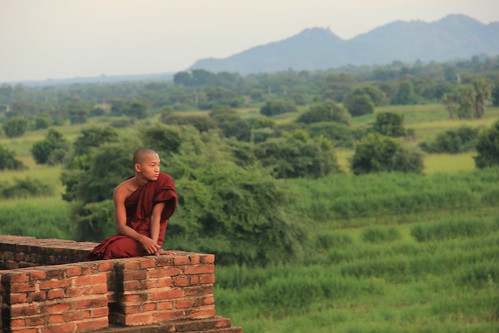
column 139, row 206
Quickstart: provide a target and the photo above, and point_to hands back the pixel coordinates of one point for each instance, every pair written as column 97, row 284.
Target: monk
column 142, row 206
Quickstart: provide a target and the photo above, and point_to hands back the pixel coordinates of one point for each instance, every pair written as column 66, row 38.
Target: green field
column 385, row 252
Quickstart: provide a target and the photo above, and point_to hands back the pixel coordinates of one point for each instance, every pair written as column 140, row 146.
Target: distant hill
column 453, row 37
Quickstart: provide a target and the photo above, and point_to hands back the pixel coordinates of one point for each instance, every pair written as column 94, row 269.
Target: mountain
column 452, row 37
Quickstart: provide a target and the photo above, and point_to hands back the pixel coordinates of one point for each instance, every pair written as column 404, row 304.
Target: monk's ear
column 137, row 167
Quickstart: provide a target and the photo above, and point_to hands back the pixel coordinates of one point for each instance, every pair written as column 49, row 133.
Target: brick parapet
column 48, row 287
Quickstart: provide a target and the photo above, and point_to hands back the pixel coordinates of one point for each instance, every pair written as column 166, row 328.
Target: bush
column 15, row 126
column 359, row 104
column 8, row 160
column 327, row 111
column 389, row 124
column 455, row 141
column 452, row 229
column 50, row 150
column 488, row 147
column 25, row 188
column 377, row 153
column 379, row 235
column 272, row 108
column 339, row 134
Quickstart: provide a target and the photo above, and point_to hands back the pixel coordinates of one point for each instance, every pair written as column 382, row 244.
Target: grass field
column 386, row 252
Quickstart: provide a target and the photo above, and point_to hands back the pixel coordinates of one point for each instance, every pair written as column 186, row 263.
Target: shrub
column 15, row 126
column 377, row 153
column 488, row 147
column 452, row 229
column 379, row 235
column 339, row 134
column 275, row 107
column 359, row 104
column 8, row 159
column 389, row 124
column 327, row 111
column 50, row 150
column 25, row 188
column 455, row 141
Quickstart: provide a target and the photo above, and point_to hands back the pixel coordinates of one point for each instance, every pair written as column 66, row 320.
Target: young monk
column 142, row 206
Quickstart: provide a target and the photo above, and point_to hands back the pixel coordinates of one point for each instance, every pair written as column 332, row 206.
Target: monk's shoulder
column 123, row 190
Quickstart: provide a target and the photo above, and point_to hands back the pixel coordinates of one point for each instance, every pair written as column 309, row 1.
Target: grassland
column 386, row 252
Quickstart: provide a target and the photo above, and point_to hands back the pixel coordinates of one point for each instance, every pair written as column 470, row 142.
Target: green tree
column 327, row 111
column 275, row 107
column 359, row 104
column 483, row 90
column 52, row 149
column 488, row 147
column 8, row 159
column 405, row 94
column 378, row 153
column 42, row 121
column 15, row 127
column 452, row 141
column 389, row 124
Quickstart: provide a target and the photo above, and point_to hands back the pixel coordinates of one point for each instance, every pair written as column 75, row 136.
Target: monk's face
column 149, row 166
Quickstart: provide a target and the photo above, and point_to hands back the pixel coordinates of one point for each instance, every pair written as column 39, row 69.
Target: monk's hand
column 150, row 246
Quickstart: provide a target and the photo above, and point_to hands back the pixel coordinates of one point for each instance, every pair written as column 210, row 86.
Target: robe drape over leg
column 139, row 206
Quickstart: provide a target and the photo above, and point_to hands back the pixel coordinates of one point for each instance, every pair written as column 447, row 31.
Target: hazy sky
column 41, row 39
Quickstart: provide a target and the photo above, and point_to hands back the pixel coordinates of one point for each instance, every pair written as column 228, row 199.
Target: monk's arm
column 120, row 219
column 156, row 220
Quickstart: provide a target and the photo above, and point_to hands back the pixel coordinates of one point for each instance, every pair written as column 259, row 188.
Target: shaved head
column 141, row 153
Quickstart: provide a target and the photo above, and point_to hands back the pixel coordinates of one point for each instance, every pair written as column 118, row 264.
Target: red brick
column 194, row 279
column 147, row 263
column 164, row 260
column 207, row 278
column 22, row 287
column 37, row 275
column 92, row 325
column 27, row 330
column 207, row 258
column 131, row 265
column 51, row 284
column 165, row 305
column 105, row 266
column 208, row 300
column 180, row 281
column 72, row 316
column 101, row 312
column 16, row 277
column 165, row 295
column 99, row 289
column 90, row 280
column 63, row 328
column 183, row 303
column 18, row 298
column 204, row 313
column 133, row 298
column 199, row 290
column 168, row 315
column 37, row 296
column 18, row 323
column 200, row 269
column 37, row 321
column 195, row 259
column 156, row 273
column 56, row 293
column 55, row 318
column 58, row 307
column 23, row 310
column 131, row 285
column 130, row 309
column 91, row 303
column 73, row 271
column 74, row 292
column 138, row 319
column 134, row 275
column 181, row 260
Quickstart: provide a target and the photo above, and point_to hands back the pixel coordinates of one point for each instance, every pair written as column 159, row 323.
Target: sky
column 51, row 39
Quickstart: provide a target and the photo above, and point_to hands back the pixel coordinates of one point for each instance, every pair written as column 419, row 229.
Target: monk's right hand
column 149, row 245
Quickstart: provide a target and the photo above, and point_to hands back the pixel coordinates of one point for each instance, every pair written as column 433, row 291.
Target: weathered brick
column 91, row 325
column 51, row 284
column 206, row 278
column 22, row 287
column 17, row 298
column 37, row 296
column 73, row 271
column 134, row 275
column 183, row 303
column 168, row 315
column 200, row 269
column 57, row 307
column 61, row 328
column 105, row 266
column 37, row 321
column 100, row 312
column 139, row 319
column 181, row 260
column 166, row 294
column 56, row 293
column 16, row 277
column 162, row 272
column 147, row 263
column 99, row 289
column 55, row 318
column 195, row 259
column 90, row 280
column 180, row 281
column 201, row 313
column 18, row 323
column 133, row 298
column 89, row 303
column 149, row 307
column 207, row 258
column 20, row 310
column 198, row 290
column 165, row 305
column 37, row 275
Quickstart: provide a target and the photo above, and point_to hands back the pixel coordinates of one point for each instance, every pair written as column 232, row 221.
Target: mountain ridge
column 454, row 36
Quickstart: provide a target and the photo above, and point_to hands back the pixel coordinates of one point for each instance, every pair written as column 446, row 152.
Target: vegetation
column 318, row 220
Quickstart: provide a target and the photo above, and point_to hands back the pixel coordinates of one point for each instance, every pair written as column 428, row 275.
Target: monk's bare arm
column 156, row 220
column 119, row 195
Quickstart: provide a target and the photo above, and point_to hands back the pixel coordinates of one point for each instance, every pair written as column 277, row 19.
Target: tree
column 483, row 90
column 15, row 127
column 8, row 160
column 495, row 94
column 50, row 150
column 359, row 104
column 327, row 111
column 470, row 99
column 378, row 153
column 389, row 124
column 405, row 94
column 452, row 141
column 275, row 107
column 42, row 121
column 488, row 147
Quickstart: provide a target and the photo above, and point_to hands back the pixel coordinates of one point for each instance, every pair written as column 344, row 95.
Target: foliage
column 405, row 94
column 339, row 134
column 42, row 121
column 327, row 111
column 452, row 141
column 359, row 104
column 25, row 188
column 231, row 123
column 389, row 124
column 488, row 147
column 275, row 107
column 377, row 153
column 470, row 99
column 297, row 156
column 8, row 159
column 51, row 150
column 15, row 126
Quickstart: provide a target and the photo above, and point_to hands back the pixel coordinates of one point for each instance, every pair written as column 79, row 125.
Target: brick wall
column 46, row 286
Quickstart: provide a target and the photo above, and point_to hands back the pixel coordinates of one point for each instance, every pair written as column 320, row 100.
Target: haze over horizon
column 65, row 39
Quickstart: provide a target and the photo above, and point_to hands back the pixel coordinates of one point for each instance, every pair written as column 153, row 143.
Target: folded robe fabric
column 139, row 206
